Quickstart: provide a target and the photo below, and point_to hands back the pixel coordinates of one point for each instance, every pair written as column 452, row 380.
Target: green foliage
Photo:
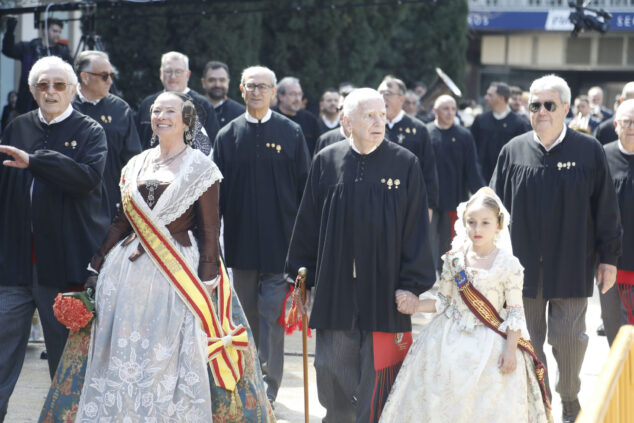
column 355, row 41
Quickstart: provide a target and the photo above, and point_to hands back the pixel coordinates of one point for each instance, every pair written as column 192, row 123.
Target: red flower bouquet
column 75, row 309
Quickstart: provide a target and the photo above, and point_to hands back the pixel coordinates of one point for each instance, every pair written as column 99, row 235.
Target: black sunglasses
column 103, row 75
column 536, row 106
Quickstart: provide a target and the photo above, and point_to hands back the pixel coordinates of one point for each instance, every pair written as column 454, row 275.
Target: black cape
column 228, row 111
column 67, row 216
column 412, row 134
column 605, row 132
column 265, row 166
column 309, row 124
column 205, row 110
column 363, row 216
column 457, row 164
column 622, row 171
column 491, row 134
column 117, row 119
column 564, row 219
column 323, row 128
column 328, row 138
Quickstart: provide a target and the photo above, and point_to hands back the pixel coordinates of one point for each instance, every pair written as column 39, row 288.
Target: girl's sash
column 482, row 308
column 225, row 341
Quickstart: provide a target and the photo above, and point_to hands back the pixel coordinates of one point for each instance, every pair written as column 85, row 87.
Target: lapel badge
column 273, row 144
column 559, row 165
column 103, row 119
column 389, row 183
column 109, row 119
column 400, row 129
column 278, row 148
column 568, row 165
column 574, row 164
column 382, row 180
column 66, row 144
column 504, row 124
column 73, row 144
column 268, row 144
column 407, row 130
column 453, row 139
column 414, row 131
column 397, row 182
column 401, row 137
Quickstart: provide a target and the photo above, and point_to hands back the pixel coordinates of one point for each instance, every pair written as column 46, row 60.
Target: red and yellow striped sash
column 224, row 340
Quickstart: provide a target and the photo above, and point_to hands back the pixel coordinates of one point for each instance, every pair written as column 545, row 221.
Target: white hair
column 286, row 81
column 172, row 55
column 251, row 70
column 627, row 105
column 442, row 99
column 49, row 62
column 554, row 83
column 358, row 96
column 628, row 91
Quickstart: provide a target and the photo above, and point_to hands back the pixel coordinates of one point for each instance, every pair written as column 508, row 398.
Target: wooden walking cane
column 301, row 282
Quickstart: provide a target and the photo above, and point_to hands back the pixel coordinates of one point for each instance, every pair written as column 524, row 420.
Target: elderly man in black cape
column 565, row 226
column 93, row 99
column 52, row 214
column 362, row 231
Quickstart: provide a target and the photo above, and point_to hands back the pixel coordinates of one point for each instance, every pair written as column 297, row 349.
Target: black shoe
column 570, row 411
column 44, row 355
column 601, row 330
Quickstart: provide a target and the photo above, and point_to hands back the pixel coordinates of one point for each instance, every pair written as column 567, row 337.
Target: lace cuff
column 442, row 303
column 515, row 320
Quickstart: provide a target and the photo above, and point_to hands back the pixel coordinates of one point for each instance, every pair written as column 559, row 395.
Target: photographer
column 30, row 52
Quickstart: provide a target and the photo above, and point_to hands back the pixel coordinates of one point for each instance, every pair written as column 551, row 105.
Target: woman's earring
column 188, row 136
column 153, row 139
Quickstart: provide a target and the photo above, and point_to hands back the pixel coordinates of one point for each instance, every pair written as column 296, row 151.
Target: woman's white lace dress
column 147, row 358
column 451, row 371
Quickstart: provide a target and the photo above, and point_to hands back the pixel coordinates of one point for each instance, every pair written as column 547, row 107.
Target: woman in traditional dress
column 168, row 325
column 459, row 369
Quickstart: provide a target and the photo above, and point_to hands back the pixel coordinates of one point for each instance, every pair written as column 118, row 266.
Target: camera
column 586, row 18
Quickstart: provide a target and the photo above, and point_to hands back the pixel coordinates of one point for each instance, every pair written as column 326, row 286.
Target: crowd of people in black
column 365, row 194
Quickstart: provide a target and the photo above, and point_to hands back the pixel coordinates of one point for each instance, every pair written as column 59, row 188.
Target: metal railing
column 613, row 396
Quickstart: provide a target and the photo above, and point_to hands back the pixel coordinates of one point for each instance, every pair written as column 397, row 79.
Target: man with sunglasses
column 565, row 227
column 175, row 73
column 264, row 161
column 52, row 212
column 93, row 99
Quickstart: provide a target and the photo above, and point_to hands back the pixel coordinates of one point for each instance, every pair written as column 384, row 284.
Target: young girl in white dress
column 459, row 370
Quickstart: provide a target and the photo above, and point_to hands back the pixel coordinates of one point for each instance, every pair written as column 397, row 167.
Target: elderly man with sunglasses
column 93, row 99
column 52, row 214
column 565, row 227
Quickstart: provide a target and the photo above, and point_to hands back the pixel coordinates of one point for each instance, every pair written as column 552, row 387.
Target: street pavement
column 31, row 389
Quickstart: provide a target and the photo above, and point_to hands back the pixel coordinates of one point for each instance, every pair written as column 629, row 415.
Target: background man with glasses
column 410, row 133
column 52, row 214
column 93, row 99
column 175, row 73
column 564, row 222
column 264, row 160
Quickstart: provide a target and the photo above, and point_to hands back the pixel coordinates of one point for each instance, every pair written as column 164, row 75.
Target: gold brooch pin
column 278, row 148
column 382, row 180
column 407, row 130
column 397, row 182
column 109, row 119
column 389, row 183
column 559, row 165
column 73, row 144
column 268, row 144
column 66, row 144
column 103, row 119
column 414, row 131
